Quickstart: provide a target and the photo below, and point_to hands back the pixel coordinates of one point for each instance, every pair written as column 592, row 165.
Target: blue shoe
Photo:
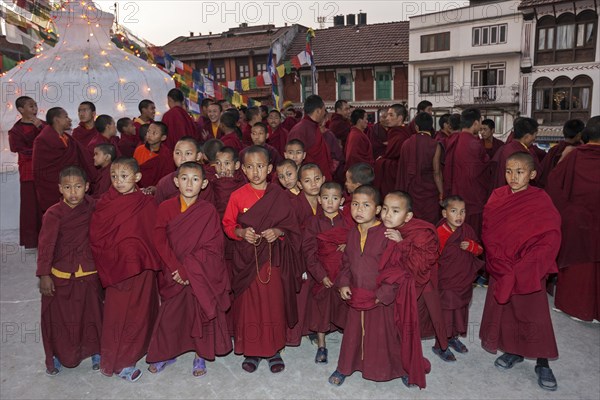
column 130, row 374
column 546, row 378
column 57, row 368
column 96, row 362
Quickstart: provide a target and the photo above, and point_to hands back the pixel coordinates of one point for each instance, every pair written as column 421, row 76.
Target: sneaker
column 546, row 378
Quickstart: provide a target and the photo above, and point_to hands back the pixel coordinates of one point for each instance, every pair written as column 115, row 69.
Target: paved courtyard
column 473, row 376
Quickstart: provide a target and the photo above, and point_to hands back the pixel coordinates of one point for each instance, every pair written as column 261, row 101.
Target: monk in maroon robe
column 358, row 146
column 72, row 296
column 378, row 135
column 308, row 132
column 291, row 117
column 102, row 182
column 575, row 189
column 490, row 143
column 278, row 135
column 177, row 119
column 166, row 189
column 340, row 123
column 20, row 140
column 86, row 130
column 521, row 235
column 129, row 139
column 107, row 130
column 572, row 132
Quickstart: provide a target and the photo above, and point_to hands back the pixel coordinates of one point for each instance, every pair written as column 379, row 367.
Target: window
column 345, row 91
column 555, row 102
column 243, row 69
column 259, row 68
column 435, row 42
column 486, row 35
column 566, row 39
column 436, row 81
column 220, row 72
column 383, row 86
column 306, row 82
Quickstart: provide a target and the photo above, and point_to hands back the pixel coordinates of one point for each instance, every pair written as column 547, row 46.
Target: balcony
column 487, row 95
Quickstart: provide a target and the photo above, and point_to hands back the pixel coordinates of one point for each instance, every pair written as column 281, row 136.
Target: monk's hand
column 150, row 190
column 272, row 234
column 46, row 285
column 248, row 235
column 341, row 247
column 37, row 122
column 464, row 245
column 327, row 282
column 345, row 293
column 177, row 278
column 393, row 234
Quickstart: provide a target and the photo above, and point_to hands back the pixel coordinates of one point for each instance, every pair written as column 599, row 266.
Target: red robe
column 326, row 311
column 102, row 182
column 309, row 133
column 190, row 318
column 466, row 174
column 496, row 145
column 498, row 163
column 159, row 164
column 338, row 159
column 20, row 139
column 575, row 190
column 127, row 144
column 550, row 161
column 72, row 317
column 84, row 135
column 441, row 137
column 166, row 189
column 340, row 127
column 386, row 167
column 415, row 176
column 371, row 343
column 378, row 137
column 521, row 246
column 231, row 139
column 278, row 139
column 247, row 135
column 289, row 122
column 179, row 124
column 224, row 187
column 358, row 148
column 99, row 139
column 121, row 241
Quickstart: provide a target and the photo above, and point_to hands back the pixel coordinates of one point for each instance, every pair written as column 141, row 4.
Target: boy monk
column 572, row 130
column 86, row 130
column 147, row 110
column 177, row 119
column 194, row 284
column 229, row 177
column 71, row 292
column 121, row 240
column 130, row 139
column 323, row 245
column 260, row 218
column 20, row 139
column 521, row 235
column 357, row 175
column 104, row 155
column 294, row 150
column 370, row 343
column 277, row 133
column 231, row 137
column 287, row 174
column 107, row 131
column 358, row 146
column 154, row 156
column 258, row 135
column 458, row 266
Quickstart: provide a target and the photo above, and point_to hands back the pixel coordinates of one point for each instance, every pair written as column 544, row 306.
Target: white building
column 468, row 57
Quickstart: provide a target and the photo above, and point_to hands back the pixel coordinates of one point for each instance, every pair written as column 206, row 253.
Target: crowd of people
column 248, row 229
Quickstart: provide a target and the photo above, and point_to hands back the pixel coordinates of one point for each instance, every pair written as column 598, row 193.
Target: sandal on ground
column 56, row 369
column 445, row 355
column 130, row 374
column 405, row 381
column 199, row 368
column 157, row 367
column 546, row 378
column 507, row 361
column 276, row 364
column 96, row 362
column 337, row 378
column 250, row 364
column 321, row 357
column 457, row 345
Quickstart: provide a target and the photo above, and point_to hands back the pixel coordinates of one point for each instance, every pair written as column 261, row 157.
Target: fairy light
column 107, row 64
column 121, row 80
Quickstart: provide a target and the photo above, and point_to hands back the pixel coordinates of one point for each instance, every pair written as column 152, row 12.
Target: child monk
column 458, row 266
column 260, row 218
column 294, row 150
column 370, row 343
column 229, row 177
column 210, row 148
column 357, row 175
column 147, row 110
column 121, row 240
column 259, row 134
column 71, row 292
column 107, row 131
column 86, row 130
column 194, row 284
column 153, row 157
column 323, row 245
column 104, row 155
column 229, row 127
column 277, row 132
column 20, row 139
column 130, row 139
column 521, row 235
column 287, row 174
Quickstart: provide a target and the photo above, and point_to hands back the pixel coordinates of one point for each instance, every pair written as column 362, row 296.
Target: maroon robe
column 340, row 127
column 441, row 137
column 278, row 139
column 99, row 139
column 102, row 182
column 138, row 123
column 289, row 122
column 498, row 163
column 309, row 133
column 378, row 137
column 247, row 135
column 337, row 154
column 224, row 186
column 358, row 148
column 166, row 189
column 20, row 139
column 386, row 168
column 467, row 174
column 157, row 167
column 496, row 145
column 203, row 129
column 540, row 154
column 127, row 144
column 121, row 240
column 72, row 317
column 521, row 246
column 574, row 187
column 371, row 343
column 554, row 155
column 415, row 176
column 192, row 317
column 84, row 135
column 179, row 124
column 231, row 139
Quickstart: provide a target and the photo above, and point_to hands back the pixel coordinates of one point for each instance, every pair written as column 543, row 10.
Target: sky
column 159, row 22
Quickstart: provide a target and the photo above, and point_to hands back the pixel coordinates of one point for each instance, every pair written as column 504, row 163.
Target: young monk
column 370, row 343
column 71, row 292
column 253, row 116
column 211, row 128
column 277, row 133
column 121, row 240
column 294, row 150
column 104, row 155
column 458, row 266
column 86, row 130
column 147, row 110
column 229, row 128
column 260, row 218
column 323, row 245
column 20, row 140
column 130, row 139
column 259, row 134
column 358, row 146
column 210, row 149
column 107, row 133
column 154, row 156
column 490, row 143
column 194, row 284
column 287, row 174
column 229, row 177
column 357, row 175
column 572, row 130
column 521, row 235
column 178, row 121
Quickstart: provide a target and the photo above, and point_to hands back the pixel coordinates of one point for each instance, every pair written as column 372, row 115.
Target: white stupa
column 83, row 66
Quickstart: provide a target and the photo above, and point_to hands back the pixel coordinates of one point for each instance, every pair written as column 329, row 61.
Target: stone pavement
column 473, row 376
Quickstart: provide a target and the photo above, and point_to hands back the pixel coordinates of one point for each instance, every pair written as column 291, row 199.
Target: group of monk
column 247, row 230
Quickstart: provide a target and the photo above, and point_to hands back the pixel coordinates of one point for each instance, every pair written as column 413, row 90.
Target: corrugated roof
column 537, row 3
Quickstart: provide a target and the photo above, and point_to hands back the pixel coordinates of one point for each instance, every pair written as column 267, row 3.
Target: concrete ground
column 473, row 376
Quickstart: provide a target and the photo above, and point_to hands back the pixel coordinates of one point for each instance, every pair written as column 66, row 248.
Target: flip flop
column 199, row 368
column 250, row 364
column 130, row 374
column 276, row 364
column 57, row 368
column 160, row 366
column 457, row 345
column 96, row 362
column 507, row 361
column 546, row 378
column 445, row 355
column 321, row 357
column 337, row 378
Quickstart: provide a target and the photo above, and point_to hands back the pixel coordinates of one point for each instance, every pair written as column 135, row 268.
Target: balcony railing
column 488, row 95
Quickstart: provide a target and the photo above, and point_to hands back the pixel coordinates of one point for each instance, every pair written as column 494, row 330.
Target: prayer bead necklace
column 256, row 244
